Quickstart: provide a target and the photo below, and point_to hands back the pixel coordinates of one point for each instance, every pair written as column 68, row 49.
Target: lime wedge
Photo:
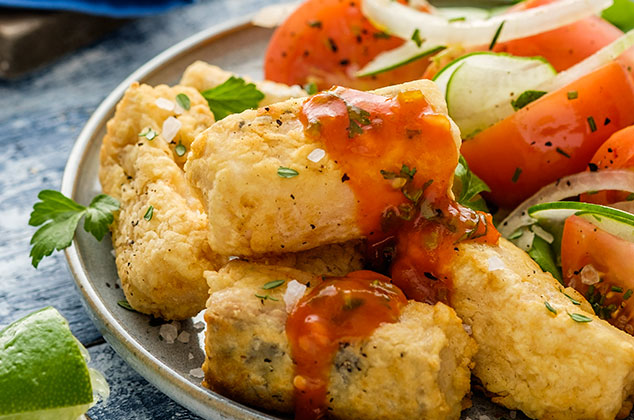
column 43, row 371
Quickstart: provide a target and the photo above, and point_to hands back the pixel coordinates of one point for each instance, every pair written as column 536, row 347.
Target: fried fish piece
column 417, row 367
column 202, row 76
column 256, row 211
column 159, row 235
column 545, row 364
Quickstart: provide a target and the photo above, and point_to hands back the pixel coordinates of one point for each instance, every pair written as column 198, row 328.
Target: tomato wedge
column 616, row 153
column 553, row 136
column 587, row 251
column 565, row 46
column 327, row 42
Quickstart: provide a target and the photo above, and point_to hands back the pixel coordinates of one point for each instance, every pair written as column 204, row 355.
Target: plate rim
column 193, row 397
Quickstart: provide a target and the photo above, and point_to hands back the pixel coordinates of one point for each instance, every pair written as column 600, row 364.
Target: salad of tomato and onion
column 543, row 93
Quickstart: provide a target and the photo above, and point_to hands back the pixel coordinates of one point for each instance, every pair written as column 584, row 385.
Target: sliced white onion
column 539, row 231
column 569, row 186
column 275, row 15
column 402, row 21
column 525, row 240
column 592, row 63
column 171, row 127
column 294, row 292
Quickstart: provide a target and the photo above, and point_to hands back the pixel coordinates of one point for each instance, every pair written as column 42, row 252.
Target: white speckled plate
column 239, row 47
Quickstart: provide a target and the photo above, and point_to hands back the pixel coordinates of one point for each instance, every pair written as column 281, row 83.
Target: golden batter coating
column 160, row 258
column 545, row 364
column 415, row 368
column 202, row 76
column 235, row 166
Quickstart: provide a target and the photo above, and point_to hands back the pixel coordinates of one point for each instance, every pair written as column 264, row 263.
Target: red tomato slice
column 553, row 136
column 565, row 46
column 616, row 153
column 584, row 244
column 327, row 42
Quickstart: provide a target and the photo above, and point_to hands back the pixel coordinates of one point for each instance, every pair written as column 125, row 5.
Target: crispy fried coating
column 234, row 164
column 545, row 364
column 160, row 257
column 202, row 76
column 415, row 368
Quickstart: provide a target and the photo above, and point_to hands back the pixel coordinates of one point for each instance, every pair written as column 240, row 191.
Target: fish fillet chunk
column 235, row 166
column 416, row 368
column 544, row 364
column 162, row 253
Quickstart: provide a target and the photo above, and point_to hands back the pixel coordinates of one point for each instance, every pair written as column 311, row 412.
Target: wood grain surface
column 40, row 117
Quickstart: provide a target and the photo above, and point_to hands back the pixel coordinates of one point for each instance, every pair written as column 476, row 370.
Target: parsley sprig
column 59, row 217
column 231, row 97
column 467, row 187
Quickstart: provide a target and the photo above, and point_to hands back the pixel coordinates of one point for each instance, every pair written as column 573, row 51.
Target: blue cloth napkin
column 112, row 8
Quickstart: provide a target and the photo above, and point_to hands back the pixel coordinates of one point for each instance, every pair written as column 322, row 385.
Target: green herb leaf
column 497, row 35
column 620, row 14
column 126, row 305
column 457, row 19
column 573, row 300
column 286, row 172
column 149, row 213
column 417, row 39
column 314, row 23
column 311, row 88
column 273, row 284
column 99, row 215
column 580, row 318
column 592, row 124
column 543, row 255
column 628, row 294
column 550, row 308
column 562, row 152
column 616, row 289
column 526, row 98
column 573, row 94
column 233, row 96
column 266, row 297
column 468, row 186
column 149, row 134
column 516, row 175
column 60, row 216
column 180, row 149
column 183, row 101
column 358, row 118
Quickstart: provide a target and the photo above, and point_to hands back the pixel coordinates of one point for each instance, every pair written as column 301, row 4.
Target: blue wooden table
column 40, row 117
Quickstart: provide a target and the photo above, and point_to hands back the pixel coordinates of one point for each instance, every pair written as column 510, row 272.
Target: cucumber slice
column 398, row 57
column 617, row 222
column 481, row 88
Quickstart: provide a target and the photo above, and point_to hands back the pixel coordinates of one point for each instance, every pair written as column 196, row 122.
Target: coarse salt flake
column 183, row 337
column 190, row 356
column 169, row 333
column 467, row 329
column 171, row 127
column 294, row 292
column 199, row 325
column 589, row 275
column 165, row 104
column 316, row 155
column 495, row 263
column 197, row 373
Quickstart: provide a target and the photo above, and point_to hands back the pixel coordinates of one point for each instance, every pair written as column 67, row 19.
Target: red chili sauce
column 336, row 311
column 399, row 156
